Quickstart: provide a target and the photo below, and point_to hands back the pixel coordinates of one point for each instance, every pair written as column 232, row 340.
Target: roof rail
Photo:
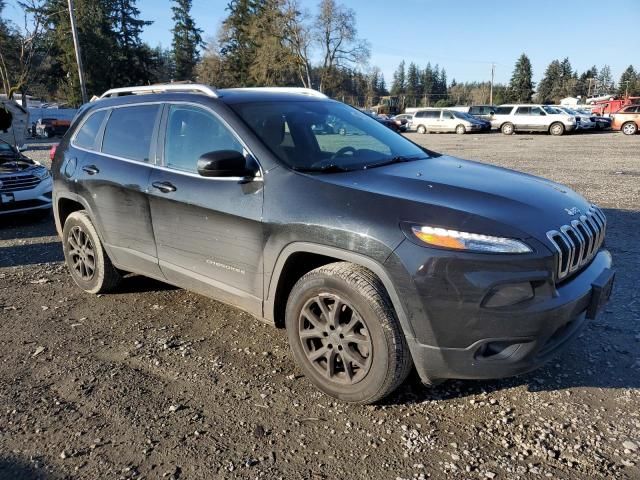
column 299, row 90
column 167, row 87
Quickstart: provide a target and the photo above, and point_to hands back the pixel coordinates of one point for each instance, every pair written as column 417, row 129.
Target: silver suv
column 532, row 118
column 443, row 120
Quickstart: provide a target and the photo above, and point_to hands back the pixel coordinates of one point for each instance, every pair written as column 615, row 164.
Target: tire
column 421, row 129
column 629, row 128
column 82, row 249
column 556, row 129
column 508, row 128
column 460, row 130
column 363, row 371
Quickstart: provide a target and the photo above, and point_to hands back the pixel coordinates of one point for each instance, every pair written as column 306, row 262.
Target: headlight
column 41, row 173
column 474, row 242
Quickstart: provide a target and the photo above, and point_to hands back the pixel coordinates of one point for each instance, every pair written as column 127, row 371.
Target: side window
column 129, row 130
column 475, row 110
column 86, row 136
column 523, row 111
column 504, row 110
column 421, row 114
column 433, row 114
column 537, row 111
column 192, row 132
column 447, row 115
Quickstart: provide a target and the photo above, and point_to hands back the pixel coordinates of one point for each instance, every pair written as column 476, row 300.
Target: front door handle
column 164, row 187
column 91, row 169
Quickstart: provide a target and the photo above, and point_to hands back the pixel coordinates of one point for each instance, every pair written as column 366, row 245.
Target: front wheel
column 460, row 130
column 629, row 128
column 421, row 129
column 344, row 333
column 90, row 267
column 556, row 129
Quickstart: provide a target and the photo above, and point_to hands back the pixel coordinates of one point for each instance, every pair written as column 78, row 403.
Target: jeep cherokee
column 374, row 253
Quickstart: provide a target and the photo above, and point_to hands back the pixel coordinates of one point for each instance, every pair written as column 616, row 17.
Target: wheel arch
column 299, row 258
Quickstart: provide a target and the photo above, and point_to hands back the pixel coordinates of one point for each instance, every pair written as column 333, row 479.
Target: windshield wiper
column 331, row 168
column 391, row 161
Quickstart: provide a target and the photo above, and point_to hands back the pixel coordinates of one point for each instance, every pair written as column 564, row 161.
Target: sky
column 463, row 36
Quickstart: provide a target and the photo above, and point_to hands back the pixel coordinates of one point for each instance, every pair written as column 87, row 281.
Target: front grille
column 14, row 183
column 577, row 243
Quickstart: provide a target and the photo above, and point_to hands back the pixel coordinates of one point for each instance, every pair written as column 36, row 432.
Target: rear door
column 208, row 230
column 538, row 119
column 113, row 177
column 432, row 120
column 448, row 121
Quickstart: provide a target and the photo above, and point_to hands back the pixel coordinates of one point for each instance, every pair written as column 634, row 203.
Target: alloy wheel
column 335, row 339
column 629, row 129
column 81, row 253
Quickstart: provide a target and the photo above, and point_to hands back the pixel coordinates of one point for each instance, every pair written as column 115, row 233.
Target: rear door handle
column 164, row 187
column 91, row 169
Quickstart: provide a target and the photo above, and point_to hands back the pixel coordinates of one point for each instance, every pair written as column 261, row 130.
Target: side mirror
column 224, row 163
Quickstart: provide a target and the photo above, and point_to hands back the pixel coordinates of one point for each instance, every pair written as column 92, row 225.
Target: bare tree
column 336, row 34
column 24, row 46
column 297, row 38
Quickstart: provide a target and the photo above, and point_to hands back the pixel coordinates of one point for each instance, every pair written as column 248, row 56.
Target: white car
column 25, row 185
column 444, row 120
column 532, row 118
column 584, row 121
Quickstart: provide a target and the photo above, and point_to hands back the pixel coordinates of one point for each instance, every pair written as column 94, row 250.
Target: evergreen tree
column 551, row 84
column 428, row 83
column 413, row 84
column 399, row 80
column 521, row 84
column 629, row 82
column 605, row 80
column 187, row 40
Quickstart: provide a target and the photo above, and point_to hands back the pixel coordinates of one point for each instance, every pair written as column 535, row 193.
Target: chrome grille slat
column 578, row 242
column 18, row 182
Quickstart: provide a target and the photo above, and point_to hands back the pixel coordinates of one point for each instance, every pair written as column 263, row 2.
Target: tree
column 22, row 49
column 550, row 86
column 629, row 82
column 337, row 36
column 399, row 80
column 187, row 40
column 605, row 80
column 521, row 84
column 413, row 84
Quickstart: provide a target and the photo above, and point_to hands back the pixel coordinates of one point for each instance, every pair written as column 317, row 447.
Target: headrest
column 273, row 129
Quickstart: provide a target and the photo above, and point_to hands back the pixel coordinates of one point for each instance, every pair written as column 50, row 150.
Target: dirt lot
column 156, row 382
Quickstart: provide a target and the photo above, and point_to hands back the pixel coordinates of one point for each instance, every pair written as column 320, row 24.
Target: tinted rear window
column 503, row 110
column 128, row 132
column 86, row 136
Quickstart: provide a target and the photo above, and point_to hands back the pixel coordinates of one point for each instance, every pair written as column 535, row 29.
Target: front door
column 208, row 230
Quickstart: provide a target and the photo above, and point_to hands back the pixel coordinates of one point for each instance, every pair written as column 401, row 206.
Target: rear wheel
column 421, row 129
column 556, row 129
column 629, row 128
column 507, row 128
column 344, row 333
column 460, row 130
column 88, row 263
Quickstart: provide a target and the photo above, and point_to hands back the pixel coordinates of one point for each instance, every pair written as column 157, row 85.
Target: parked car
column 408, row 117
column 602, row 123
column 583, row 121
column 479, row 111
column 385, row 120
column 25, row 185
column 443, row 120
column 627, row 120
column 374, row 253
column 401, row 122
column 51, row 127
column 532, row 118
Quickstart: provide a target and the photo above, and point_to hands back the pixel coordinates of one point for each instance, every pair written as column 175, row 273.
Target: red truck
column 609, row 107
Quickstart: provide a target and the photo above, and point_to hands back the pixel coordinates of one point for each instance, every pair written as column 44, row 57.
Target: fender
column 345, row 255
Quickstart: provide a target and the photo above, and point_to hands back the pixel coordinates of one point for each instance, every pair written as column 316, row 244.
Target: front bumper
column 29, row 200
column 461, row 339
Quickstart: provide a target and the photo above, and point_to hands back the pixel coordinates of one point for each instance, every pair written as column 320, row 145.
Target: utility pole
column 493, row 71
column 76, row 44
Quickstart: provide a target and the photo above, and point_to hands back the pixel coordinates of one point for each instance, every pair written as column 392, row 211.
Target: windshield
column 551, row 110
column 326, row 136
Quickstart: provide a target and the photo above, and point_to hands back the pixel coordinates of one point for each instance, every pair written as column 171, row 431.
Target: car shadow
column 606, row 354
column 23, row 226
column 17, row 469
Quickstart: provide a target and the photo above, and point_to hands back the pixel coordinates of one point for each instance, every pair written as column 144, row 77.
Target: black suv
column 376, row 254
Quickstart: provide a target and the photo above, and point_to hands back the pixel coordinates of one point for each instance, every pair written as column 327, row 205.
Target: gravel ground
column 157, row 382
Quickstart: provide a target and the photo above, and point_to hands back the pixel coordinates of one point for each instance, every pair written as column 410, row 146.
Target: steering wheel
column 342, row 151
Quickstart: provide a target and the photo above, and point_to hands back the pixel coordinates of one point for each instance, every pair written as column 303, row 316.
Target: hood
column 466, row 195
column 16, row 164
